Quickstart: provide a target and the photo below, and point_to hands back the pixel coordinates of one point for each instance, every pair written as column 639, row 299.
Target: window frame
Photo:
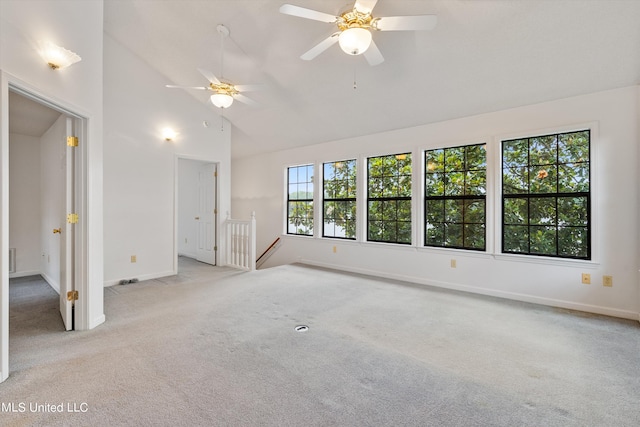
column 462, row 198
column 555, row 196
column 409, row 199
column 353, row 199
column 310, row 180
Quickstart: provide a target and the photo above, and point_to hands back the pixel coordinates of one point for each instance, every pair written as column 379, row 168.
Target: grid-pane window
column 389, row 198
column 455, row 188
column 546, row 195
column 339, row 200
column 300, row 200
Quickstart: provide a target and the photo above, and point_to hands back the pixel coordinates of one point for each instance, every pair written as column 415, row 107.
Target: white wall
column 76, row 25
column 259, row 184
column 140, row 166
column 24, row 203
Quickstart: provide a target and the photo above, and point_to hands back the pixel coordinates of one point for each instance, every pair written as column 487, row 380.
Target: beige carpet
column 213, row 346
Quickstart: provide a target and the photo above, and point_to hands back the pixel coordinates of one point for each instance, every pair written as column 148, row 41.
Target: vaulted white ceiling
column 484, row 55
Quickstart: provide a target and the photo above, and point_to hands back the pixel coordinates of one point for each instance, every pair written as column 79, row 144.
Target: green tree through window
column 455, row 188
column 389, row 198
column 300, row 200
column 339, row 201
column 546, row 195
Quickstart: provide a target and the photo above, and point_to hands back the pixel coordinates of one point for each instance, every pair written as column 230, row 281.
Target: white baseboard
column 24, row 274
column 141, row 278
column 607, row 311
column 51, row 282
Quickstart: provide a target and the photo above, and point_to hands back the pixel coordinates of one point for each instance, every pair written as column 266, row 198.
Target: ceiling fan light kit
column 355, row 41
column 355, row 36
column 221, row 100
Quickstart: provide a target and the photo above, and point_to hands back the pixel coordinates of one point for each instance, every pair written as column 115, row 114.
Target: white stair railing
column 241, row 242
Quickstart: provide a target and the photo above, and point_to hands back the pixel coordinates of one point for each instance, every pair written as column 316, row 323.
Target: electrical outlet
column 133, row 258
column 335, row 249
column 453, row 263
column 607, row 281
column 586, row 278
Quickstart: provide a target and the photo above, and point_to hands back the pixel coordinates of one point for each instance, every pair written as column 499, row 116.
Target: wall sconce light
column 55, row 56
column 169, row 134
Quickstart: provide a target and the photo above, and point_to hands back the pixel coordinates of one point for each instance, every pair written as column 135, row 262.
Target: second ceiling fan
column 224, row 92
column 355, row 28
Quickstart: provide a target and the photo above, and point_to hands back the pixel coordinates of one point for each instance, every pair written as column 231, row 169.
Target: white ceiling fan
column 355, row 28
column 224, row 92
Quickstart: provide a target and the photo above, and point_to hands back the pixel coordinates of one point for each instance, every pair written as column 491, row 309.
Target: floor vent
column 12, row 260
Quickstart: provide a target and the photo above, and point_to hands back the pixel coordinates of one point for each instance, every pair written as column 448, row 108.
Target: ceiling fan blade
column 240, row 97
column 209, row 76
column 365, row 6
column 406, row 23
column 373, row 55
column 187, row 87
column 321, row 47
column 301, row 12
column 249, row 88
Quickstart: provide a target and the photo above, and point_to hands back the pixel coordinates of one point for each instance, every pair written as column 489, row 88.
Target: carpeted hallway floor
column 214, row 346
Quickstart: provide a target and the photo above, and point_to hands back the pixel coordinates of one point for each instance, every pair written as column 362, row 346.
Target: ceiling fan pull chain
column 355, row 83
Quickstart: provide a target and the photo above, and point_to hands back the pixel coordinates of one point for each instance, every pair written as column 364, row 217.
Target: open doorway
column 42, row 195
column 196, row 211
column 74, row 295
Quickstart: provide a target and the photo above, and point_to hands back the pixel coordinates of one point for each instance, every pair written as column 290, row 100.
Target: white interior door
column 206, row 216
column 67, row 234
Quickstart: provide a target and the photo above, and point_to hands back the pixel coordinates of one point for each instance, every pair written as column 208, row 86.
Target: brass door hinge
column 215, row 211
column 215, row 174
column 72, row 296
column 215, row 248
column 72, row 141
column 72, row 218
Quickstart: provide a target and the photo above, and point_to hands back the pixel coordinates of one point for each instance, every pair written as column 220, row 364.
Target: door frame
column 176, row 218
column 7, row 83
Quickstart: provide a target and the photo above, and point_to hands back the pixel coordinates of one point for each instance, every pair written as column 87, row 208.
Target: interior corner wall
column 24, row 203
column 140, row 166
column 259, row 184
